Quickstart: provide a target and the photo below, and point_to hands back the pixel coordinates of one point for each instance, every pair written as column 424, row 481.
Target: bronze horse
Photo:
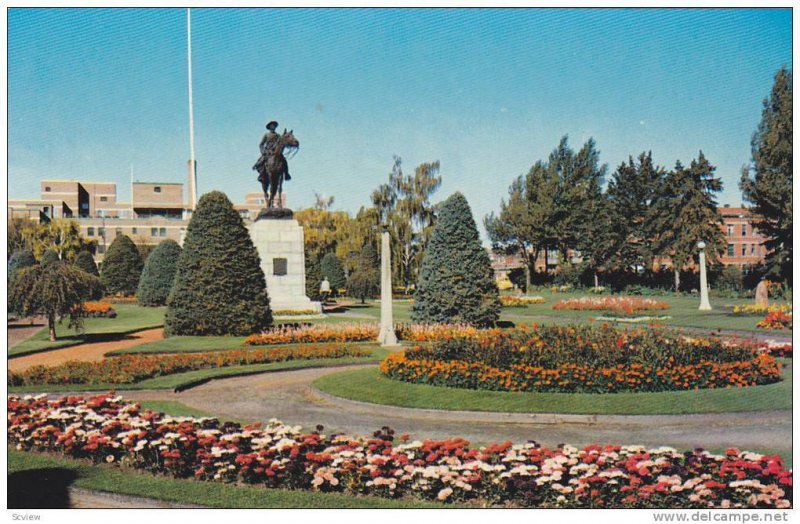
column 272, row 167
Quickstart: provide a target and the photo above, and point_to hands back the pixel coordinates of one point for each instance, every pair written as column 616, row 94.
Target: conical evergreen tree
column 456, row 283
column 331, row 267
column 20, row 260
column 48, row 257
column 85, row 261
column 313, row 275
column 122, row 267
column 158, row 274
column 219, row 288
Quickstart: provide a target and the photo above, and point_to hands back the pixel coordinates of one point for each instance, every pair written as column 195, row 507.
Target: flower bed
column 301, row 334
column 776, row 320
column 120, row 299
column 314, row 333
column 574, row 378
column 105, row 429
column 97, row 309
column 515, row 301
column 615, row 304
column 581, row 359
column 295, row 312
column 756, row 309
column 128, row 369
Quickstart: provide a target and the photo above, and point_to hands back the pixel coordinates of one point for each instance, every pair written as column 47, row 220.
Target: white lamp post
column 386, row 335
column 705, row 305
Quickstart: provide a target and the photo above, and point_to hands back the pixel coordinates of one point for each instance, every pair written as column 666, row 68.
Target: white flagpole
column 192, row 163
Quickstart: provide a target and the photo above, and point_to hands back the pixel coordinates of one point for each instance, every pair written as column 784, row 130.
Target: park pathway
column 92, row 352
column 288, row 396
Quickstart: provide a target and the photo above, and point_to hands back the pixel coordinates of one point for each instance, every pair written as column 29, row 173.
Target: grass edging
column 370, row 386
column 34, row 468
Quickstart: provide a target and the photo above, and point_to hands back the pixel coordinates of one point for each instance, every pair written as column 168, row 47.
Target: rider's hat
column 272, row 125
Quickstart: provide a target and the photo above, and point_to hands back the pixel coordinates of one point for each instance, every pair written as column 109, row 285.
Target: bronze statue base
column 275, row 213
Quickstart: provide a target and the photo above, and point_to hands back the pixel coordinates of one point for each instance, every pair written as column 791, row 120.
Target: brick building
column 157, row 210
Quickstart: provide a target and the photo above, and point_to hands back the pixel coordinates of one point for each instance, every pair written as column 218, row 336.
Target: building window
column 47, row 189
column 279, row 266
column 162, row 232
column 118, row 231
column 103, row 199
column 752, row 249
column 730, row 230
column 101, row 232
column 730, row 250
column 744, row 250
column 133, row 231
column 157, row 189
column 744, row 230
column 153, row 231
column 89, row 231
column 101, row 249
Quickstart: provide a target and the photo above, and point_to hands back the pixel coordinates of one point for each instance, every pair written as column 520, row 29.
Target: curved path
column 288, row 396
column 89, row 352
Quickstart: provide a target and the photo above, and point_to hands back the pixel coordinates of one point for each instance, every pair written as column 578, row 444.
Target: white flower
column 444, row 494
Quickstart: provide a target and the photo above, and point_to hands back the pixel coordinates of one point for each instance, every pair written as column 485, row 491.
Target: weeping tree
column 56, row 291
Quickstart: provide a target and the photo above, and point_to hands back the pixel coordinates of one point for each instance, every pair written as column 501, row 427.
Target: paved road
column 288, row 396
column 92, row 352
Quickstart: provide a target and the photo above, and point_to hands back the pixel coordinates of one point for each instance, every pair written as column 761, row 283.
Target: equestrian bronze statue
column 272, row 166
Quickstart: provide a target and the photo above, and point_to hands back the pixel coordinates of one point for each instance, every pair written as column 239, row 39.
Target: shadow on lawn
column 46, row 488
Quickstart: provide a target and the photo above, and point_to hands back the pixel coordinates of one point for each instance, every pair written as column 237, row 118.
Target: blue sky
column 486, row 92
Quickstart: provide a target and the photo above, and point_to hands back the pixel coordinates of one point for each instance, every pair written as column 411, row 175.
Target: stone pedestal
column 279, row 242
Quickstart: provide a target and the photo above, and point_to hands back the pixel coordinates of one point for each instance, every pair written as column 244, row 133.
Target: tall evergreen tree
column 158, row 274
column 331, row 268
column 685, row 212
column 219, row 288
column 456, row 282
column 631, row 192
column 313, row 276
column 122, row 267
column 769, row 188
column 85, row 261
column 599, row 239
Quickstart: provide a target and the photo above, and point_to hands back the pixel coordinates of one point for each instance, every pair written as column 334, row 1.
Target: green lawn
column 683, row 310
column 369, row 385
column 189, row 378
column 194, row 344
column 39, row 480
column 130, row 318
